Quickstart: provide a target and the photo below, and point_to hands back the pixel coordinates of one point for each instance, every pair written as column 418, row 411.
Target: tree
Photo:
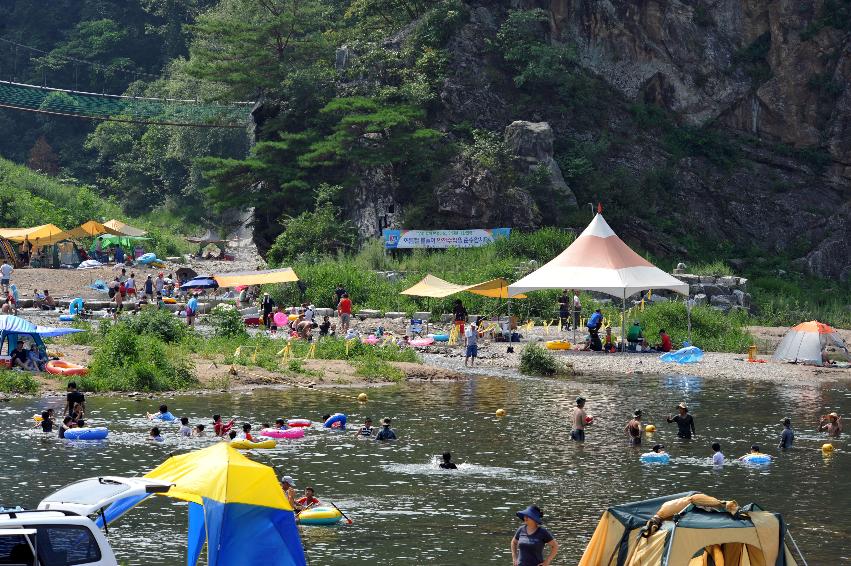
column 43, row 158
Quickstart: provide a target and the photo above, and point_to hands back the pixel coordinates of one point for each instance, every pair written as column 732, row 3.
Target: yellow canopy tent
column 123, row 229
column 437, row 288
column 89, row 230
column 264, row 277
column 44, row 235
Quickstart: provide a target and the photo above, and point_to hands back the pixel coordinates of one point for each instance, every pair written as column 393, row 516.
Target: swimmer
column 220, row 428
column 787, row 437
column 185, row 430
column 717, row 456
column 280, row 424
column 659, row 449
column 288, row 485
column 338, row 424
column 308, row 500
column 685, row 422
column 231, row 435
column 154, row 435
column 633, row 429
column 198, row 432
column 47, row 421
column 447, row 463
column 366, row 430
column 386, row 433
column 246, row 432
column 163, row 415
column 580, row 418
column 831, row 425
column 755, row 451
column 67, row 424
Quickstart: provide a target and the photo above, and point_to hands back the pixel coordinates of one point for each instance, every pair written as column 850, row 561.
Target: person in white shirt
column 471, row 337
column 184, row 427
column 717, row 457
column 5, row 275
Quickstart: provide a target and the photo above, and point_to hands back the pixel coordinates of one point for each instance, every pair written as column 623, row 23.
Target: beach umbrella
column 201, row 282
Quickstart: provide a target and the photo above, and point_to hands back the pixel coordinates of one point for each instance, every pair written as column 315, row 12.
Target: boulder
column 395, row 315
column 742, row 298
column 369, row 313
column 324, row 312
column 424, row 316
column 727, row 281
column 715, row 290
column 695, row 289
column 532, row 145
column 700, row 300
column 723, row 303
column 707, row 279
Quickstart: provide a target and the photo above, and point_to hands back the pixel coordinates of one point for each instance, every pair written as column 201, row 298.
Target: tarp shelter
column 805, row 342
column 693, row 529
column 124, row 229
column 263, row 277
column 437, row 288
column 90, row 229
column 13, row 327
column 236, row 506
column 126, row 242
column 598, row 260
column 43, row 235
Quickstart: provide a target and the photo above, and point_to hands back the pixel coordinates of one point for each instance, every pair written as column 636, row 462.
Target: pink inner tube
column 298, row 422
column 421, row 342
column 282, row 433
column 372, row 340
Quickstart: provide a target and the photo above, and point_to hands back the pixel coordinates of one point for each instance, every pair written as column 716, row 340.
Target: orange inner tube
column 58, row 367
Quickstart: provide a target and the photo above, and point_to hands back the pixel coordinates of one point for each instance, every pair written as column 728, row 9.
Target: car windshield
column 88, row 491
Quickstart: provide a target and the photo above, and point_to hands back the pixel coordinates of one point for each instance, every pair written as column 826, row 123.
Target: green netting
column 104, row 107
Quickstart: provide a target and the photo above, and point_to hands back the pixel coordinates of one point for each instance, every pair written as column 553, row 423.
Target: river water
column 405, row 510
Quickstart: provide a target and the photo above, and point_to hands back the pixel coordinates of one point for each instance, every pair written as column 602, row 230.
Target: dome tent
column 805, row 342
column 688, row 529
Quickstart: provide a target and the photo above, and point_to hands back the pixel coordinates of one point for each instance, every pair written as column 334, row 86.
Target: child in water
column 164, row 415
column 47, row 421
column 155, row 435
column 199, row 431
column 185, row 430
column 717, row 456
column 246, row 432
column 447, row 463
column 67, row 423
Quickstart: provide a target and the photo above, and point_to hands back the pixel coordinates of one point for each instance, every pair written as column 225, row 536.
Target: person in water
column 67, row 424
column 155, row 435
column 288, row 485
column 74, row 396
column 386, row 433
column 220, row 428
column 309, row 500
column 659, row 449
column 755, row 451
column 580, row 419
column 280, row 424
column 246, row 432
column 185, row 429
column 163, row 415
column 199, row 432
column 831, row 425
column 530, row 540
column 787, row 437
column 337, row 424
column 717, row 455
column 633, row 429
column 685, row 422
column 47, row 421
column 367, row 429
column 447, row 463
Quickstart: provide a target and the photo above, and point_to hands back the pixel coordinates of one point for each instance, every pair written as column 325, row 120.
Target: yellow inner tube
column 558, row 345
column 247, row 444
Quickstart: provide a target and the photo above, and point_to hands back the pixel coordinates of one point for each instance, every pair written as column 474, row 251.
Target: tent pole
column 688, row 315
column 573, row 316
column 623, row 322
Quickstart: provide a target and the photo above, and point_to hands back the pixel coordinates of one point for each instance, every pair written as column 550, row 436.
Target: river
column 405, row 510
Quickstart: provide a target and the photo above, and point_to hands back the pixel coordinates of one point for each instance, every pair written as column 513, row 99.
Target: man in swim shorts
column 633, row 429
column 579, row 415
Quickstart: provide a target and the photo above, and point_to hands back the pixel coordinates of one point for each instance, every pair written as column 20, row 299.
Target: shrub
column 159, row 323
column 716, row 268
column 227, row 322
column 18, row 382
column 535, row 360
column 711, row 329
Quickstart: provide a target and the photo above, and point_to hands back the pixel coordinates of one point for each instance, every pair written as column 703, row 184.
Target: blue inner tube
column 656, row 458
column 336, row 418
column 440, row 337
column 757, row 459
column 75, row 307
column 98, row 433
column 66, row 317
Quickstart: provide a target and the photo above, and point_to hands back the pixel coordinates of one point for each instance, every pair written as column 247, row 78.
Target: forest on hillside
column 377, row 113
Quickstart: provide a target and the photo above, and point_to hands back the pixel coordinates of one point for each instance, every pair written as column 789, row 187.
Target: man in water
column 386, row 433
column 73, row 398
column 831, row 425
column 633, row 429
column 579, row 417
column 447, row 463
column 366, row 430
column 288, row 485
column 717, row 456
column 787, row 437
column 685, row 422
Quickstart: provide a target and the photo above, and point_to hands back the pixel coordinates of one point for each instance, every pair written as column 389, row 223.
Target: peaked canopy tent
column 805, row 342
column 598, row 260
column 236, row 506
column 44, row 235
column 124, row 229
column 437, row 288
column 262, row 277
column 688, row 529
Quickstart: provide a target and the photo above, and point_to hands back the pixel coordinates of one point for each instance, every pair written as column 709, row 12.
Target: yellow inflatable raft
column 558, row 345
column 321, row 515
column 248, row 445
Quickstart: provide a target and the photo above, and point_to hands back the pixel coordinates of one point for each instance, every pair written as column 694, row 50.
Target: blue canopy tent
column 12, row 327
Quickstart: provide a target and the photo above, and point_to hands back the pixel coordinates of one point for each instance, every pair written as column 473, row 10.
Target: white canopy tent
column 600, row 261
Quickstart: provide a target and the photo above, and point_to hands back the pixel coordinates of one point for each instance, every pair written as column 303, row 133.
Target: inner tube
column 298, row 422
column 66, row 317
column 759, row 459
column 98, row 433
column 75, row 307
column 372, row 340
column 320, row 515
column 421, row 342
column 558, row 345
column 655, row 458
column 59, row 367
column 282, row 433
column 248, row 445
column 334, row 419
column 440, row 337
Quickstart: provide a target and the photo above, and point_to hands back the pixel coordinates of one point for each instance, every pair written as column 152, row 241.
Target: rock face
column 532, row 144
column 373, row 205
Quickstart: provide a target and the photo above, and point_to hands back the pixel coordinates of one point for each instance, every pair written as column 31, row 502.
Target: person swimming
column 67, row 424
column 198, row 432
column 185, row 429
column 47, row 421
column 447, row 463
column 154, row 435
column 163, row 415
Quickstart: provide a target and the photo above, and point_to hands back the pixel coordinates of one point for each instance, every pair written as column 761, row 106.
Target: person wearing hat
column 787, row 437
column 633, row 429
column 527, row 546
column 580, row 419
column 684, row 421
column 288, row 485
column 267, row 306
column 831, row 425
column 386, row 433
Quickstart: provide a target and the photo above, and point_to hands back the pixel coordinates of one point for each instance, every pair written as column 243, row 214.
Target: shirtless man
column 831, row 425
column 633, row 429
column 579, row 417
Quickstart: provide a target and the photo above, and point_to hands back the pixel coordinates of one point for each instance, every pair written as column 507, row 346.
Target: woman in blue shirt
column 527, row 546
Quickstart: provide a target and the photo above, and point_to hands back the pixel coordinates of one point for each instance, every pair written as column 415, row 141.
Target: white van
column 62, row 531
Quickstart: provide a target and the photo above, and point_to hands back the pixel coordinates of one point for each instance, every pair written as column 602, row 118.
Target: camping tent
column 107, row 240
column 691, row 529
column 804, row 343
column 13, row 327
column 123, row 229
column 43, row 235
column 236, row 506
column 600, row 261
column 261, row 277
